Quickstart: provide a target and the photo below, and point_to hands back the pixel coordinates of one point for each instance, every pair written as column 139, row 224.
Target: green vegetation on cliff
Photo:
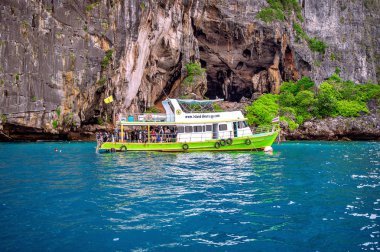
column 193, row 69
column 302, row 101
column 107, row 58
column 3, row 119
column 278, row 9
column 315, row 44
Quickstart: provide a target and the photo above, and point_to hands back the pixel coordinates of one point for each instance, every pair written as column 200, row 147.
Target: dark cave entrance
column 222, row 83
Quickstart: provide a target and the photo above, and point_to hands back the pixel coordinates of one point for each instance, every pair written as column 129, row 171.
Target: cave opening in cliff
column 247, row 53
column 203, row 63
column 223, row 83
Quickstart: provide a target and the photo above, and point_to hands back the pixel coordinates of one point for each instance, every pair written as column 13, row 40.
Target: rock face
column 351, row 30
column 60, row 59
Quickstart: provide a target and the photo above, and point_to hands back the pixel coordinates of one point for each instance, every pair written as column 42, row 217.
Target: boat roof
column 186, row 112
column 191, row 101
column 160, row 123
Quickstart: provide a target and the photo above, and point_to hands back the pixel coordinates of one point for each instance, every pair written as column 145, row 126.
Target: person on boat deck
column 105, row 137
column 117, row 135
column 129, row 135
column 125, row 135
column 133, row 135
column 144, row 136
column 175, row 134
column 168, row 134
column 140, row 132
column 153, row 135
column 161, row 134
column 158, row 139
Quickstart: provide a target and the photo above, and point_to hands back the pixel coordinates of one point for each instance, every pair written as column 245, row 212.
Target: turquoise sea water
column 308, row 196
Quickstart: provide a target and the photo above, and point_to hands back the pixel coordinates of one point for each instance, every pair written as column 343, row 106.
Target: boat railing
column 142, row 136
column 266, row 129
column 148, row 117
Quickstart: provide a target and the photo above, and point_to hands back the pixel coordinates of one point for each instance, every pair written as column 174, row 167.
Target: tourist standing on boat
column 140, row 132
column 117, row 137
column 161, row 134
column 125, row 135
column 133, row 135
column 105, row 137
column 153, row 135
column 144, row 136
column 168, row 134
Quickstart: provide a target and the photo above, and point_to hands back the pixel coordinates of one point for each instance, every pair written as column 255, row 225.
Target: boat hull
column 252, row 143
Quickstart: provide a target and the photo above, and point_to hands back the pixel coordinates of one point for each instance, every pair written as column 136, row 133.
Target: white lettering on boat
column 196, row 116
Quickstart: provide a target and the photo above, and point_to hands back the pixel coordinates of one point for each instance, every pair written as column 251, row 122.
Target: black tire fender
column 229, row 141
column 185, row 146
column 222, row 142
column 217, row 145
column 123, row 148
column 248, row 141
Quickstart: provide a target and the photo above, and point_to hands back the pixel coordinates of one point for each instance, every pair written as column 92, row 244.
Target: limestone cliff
column 61, row 58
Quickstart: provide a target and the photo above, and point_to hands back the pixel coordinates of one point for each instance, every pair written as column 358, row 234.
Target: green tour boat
column 187, row 126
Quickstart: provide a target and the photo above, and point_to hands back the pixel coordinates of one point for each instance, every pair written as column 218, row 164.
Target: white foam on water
column 350, row 207
column 116, row 239
column 373, row 216
column 369, row 243
column 367, row 185
column 360, row 215
column 368, row 227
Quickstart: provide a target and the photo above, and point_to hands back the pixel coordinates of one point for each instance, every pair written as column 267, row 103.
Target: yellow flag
column 109, row 99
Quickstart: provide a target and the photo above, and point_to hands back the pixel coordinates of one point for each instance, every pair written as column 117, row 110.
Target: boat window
column 180, row 129
column 208, row 127
column 171, row 107
column 242, row 124
column 198, row 129
column 188, row 129
column 222, row 127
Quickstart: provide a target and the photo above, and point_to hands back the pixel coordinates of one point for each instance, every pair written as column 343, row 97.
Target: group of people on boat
column 139, row 135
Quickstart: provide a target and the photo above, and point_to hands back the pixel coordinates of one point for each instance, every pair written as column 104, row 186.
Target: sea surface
column 307, row 196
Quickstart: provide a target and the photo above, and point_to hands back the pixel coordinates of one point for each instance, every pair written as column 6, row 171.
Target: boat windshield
column 196, row 106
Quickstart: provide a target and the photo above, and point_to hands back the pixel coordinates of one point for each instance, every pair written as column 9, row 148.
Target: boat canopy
column 202, row 106
column 190, row 101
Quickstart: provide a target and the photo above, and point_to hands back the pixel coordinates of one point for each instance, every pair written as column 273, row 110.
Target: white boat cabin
column 194, row 121
column 203, row 122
